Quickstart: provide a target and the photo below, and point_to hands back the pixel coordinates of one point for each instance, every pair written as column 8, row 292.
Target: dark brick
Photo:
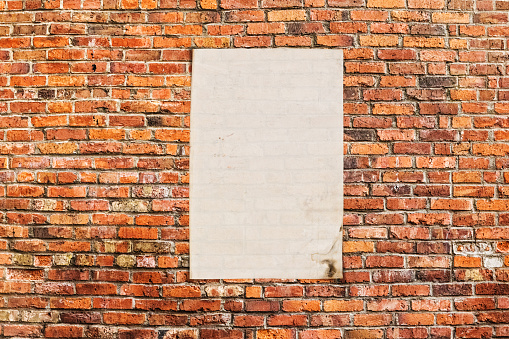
column 46, row 94
column 420, row 29
column 432, row 190
column 426, row 94
column 434, row 275
column 492, row 289
column 105, row 30
column 355, row 162
column 154, row 120
column 80, row 317
column 433, row 247
column 438, row 82
column 359, row 135
column 452, row 290
column 30, row 29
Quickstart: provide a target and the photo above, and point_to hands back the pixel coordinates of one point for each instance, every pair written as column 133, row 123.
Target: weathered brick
column 95, row 170
column 378, row 41
column 367, row 15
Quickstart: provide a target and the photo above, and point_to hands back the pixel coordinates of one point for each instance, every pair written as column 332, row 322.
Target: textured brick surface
column 94, row 131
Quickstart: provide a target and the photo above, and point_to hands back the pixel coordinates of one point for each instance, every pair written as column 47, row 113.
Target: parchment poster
column 266, row 185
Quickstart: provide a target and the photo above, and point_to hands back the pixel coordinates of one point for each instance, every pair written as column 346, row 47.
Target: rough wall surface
column 94, row 156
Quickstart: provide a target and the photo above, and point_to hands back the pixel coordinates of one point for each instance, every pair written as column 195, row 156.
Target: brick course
column 94, row 132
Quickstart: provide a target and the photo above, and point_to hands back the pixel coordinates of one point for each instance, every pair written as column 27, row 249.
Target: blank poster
column 266, row 175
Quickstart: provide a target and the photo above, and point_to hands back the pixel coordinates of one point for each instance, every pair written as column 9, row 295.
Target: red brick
column 332, row 40
column 363, row 204
column 405, row 204
column 455, row 319
column 343, row 305
column 111, row 318
column 431, row 305
column 348, row 27
column 369, row 291
column 320, row 334
column 139, row 290
column 182, row 291
column 415, row 332
column 433, row 262
column 357, row 53
column 221, row 333
column 474, row 332
column 248, row 320
column 372, row 319
column 287, row 320
column 369, row 15
column 96, row 288
column 71, row 303
column 364, row 67
column 282, row 292
column 261, row 306
column 325, row 291
column 384, row 305
column 416, row 319
column 301, row 305
column 200, row 305
column 23, row 330
column 384, row 261
column 475, row 304
column 433, row 4
column 409, row 290
column 265, row 28
column 63, row 331
column 382, row 95
column 330, row 320
column 156, row 305
column 55, row 288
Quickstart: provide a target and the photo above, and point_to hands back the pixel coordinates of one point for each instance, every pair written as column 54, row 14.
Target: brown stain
column 332, row 259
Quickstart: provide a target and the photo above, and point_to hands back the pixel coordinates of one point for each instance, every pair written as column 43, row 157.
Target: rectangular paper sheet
column 266, row 168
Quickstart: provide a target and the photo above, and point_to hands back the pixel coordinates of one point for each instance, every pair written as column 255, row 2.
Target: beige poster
column 266, row 189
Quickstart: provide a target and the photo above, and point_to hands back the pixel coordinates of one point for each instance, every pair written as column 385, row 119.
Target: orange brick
column 460, row 261
column 448, row 17
column 301, row 305
column 393, row 109
column 358, row 246
column 348, row 27
column 334, row 40
column 292, row 41
column 378, row 41
column 212, row 42
column 265, row 28
column 421, row 42
column 261, row 41
column 416, row 319
column 386, row 4
column 369, row 15
column 372, row 319
column 397, row 81
column 369, row 149
column 407, row 16
column 275, row 334
column 287, row 15
column 393, row 28
column 455, row 319
column 426, row 4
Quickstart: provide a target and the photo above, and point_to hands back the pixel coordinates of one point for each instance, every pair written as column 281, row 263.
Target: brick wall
column 94, row 131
